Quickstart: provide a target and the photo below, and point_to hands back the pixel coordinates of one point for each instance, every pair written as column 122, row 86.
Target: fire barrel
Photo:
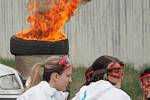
column 29, row 52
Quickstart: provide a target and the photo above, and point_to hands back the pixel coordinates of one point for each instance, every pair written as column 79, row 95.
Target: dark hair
column 145, row 71
column 99, row 68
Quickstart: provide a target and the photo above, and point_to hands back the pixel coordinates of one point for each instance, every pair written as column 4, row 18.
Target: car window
column 9, row 82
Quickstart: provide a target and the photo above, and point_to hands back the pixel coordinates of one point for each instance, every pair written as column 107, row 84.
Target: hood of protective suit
column 43, row 91
column 101, row 90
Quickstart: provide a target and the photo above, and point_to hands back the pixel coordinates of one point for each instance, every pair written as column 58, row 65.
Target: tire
column 20, row 46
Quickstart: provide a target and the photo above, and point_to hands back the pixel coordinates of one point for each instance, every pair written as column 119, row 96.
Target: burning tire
column 20, row 46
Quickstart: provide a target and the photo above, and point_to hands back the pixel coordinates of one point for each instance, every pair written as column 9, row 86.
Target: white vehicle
column 11, row 83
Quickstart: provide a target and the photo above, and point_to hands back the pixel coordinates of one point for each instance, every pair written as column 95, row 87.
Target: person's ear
column 105, row 77
column 141, row 85
column 55, row 76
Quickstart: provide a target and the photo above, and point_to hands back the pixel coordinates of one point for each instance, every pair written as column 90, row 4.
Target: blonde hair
column 36, row 75
column 43, row 71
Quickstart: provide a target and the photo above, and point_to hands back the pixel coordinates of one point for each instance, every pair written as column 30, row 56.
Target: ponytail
column 42, row 71
column 88, row 76
column 35, row 75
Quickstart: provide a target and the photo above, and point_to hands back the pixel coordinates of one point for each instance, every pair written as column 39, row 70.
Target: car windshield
column 9, row 82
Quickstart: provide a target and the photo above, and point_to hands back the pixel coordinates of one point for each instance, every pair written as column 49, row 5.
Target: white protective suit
column 101, row 90
column 43, row 91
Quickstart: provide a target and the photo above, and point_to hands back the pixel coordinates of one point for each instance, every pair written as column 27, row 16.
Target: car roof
column 6, row 70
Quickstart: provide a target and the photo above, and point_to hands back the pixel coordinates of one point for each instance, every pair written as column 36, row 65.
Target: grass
column 77, row 80
column 130, row 83
column 8, row 62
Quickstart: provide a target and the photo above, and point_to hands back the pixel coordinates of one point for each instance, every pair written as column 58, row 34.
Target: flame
column 47, row 25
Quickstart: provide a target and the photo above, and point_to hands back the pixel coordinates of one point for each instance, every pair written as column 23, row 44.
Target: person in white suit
column 103, row 80
column 49, row 80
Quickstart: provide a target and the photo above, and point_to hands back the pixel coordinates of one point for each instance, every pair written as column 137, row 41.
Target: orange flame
column 48, row 26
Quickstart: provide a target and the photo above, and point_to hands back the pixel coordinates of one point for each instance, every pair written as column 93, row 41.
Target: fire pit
column 45, row 37
column 33, row 47
column 28, row 52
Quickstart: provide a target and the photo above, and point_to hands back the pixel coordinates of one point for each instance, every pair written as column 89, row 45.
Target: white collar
column 50, row 91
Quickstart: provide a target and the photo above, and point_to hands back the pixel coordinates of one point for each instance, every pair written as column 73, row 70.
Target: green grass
column 77, row 80
column 8, row 62
column 130, row 83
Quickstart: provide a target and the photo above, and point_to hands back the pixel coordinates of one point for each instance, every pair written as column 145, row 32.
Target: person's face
column 64, row 79
column 146, row 86
column 116, row 75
